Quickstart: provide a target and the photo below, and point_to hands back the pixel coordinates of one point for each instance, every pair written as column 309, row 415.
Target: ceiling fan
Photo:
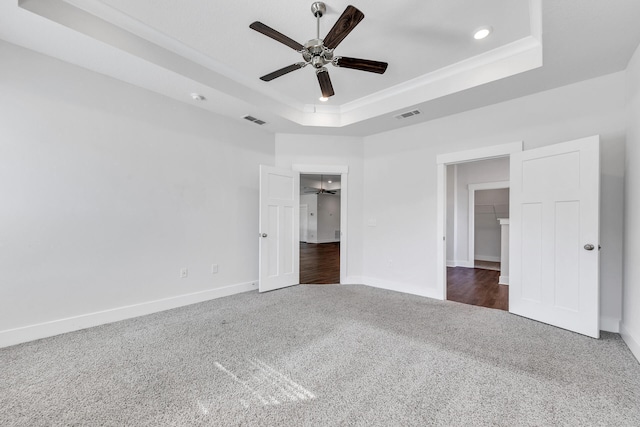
column 319, row 52
column 321, row 190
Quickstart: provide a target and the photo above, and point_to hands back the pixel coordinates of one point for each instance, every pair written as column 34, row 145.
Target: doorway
column 477, row 202
column 323, row 194
column 279, row 219
column 320, row 232
column 554, row 221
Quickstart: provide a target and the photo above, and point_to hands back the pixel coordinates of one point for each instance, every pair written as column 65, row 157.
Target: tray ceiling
column 177, row 48
column 414, row 40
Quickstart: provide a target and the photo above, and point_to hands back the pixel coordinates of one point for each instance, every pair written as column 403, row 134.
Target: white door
column 554, row 223
column 279, row 228
column 304, row 222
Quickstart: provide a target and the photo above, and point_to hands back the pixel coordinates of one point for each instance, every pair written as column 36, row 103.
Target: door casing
column 343, row 171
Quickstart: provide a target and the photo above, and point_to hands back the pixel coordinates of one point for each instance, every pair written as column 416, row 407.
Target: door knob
column 264, row 234
column 589, row 247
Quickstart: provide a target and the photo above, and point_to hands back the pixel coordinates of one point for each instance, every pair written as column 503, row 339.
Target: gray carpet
column 321, row 356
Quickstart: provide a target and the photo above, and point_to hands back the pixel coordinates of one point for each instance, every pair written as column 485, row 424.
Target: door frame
column 444, row 160
column 498, row 185
column 343, row 171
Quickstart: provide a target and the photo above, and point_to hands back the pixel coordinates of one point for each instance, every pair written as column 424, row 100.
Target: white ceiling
column 220, row 30
column 176, row 48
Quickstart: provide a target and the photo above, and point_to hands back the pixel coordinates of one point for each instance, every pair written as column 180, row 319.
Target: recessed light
column 323, row 99
column 482, row 33
column 329, row 181
column 198, row 97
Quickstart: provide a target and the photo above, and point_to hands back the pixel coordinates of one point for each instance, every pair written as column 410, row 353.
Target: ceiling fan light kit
column 319, row 52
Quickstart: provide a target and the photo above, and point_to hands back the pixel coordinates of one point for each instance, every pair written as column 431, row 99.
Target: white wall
column 631, row 309
column 332, row 150
column 489, row 206
column 323, row 216
column 108, row 190
column 328, row 217
column 479, row 172
column 400, row 178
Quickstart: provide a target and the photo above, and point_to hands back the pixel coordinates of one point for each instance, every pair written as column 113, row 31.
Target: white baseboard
column 632, row 340
column 458, row 263
column 406, row 288
column 609, row 324
column 465, row 264
column 490, row 258
column 322, row 241
column 327, row 241
column 503, row 280
column 352, row 280
column 70, row 324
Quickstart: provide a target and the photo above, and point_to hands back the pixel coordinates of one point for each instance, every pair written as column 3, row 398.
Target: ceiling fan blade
column 277, row 36
column 341, row 29
column 282, row 71
column 325, row 82
column 361, row 64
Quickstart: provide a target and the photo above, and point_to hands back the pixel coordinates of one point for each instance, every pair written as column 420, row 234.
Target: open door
column 554, row 277
column 279, row 228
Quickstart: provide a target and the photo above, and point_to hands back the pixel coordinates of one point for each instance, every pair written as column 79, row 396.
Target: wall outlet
column 184, row 273
column 214, row 268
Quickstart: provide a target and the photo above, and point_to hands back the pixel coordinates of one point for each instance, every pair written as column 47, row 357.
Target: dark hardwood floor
column 319, row 263
column 477, row 287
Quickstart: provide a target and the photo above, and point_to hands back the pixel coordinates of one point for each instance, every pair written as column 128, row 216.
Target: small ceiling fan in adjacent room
column 321, row 190
column 319, row 52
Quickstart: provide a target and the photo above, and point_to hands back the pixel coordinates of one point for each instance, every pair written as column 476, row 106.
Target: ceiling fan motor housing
column 316, row 54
